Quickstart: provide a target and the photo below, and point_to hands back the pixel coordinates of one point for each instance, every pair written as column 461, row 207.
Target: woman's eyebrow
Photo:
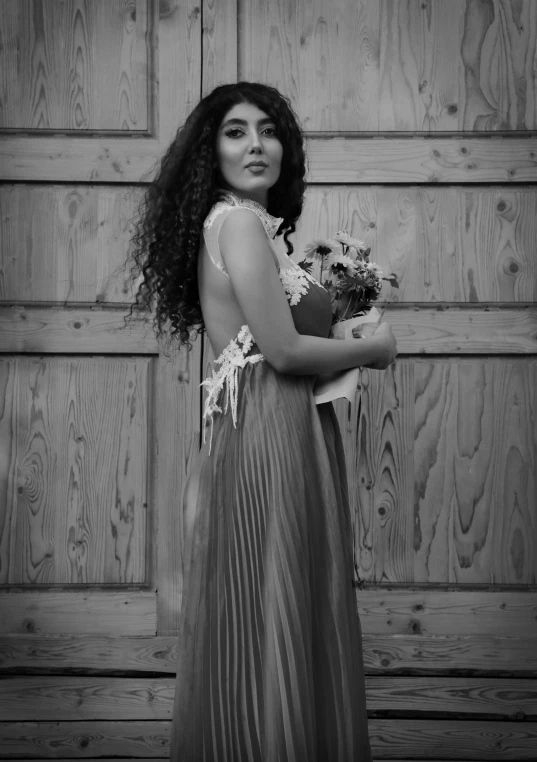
column 243, row 122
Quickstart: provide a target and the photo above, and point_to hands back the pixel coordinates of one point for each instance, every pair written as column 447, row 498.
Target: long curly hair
column 167, row 230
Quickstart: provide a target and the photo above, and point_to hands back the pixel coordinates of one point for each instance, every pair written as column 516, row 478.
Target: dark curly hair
column 165, row 244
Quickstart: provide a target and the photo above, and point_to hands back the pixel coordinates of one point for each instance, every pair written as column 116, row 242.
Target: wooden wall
column 421, row 128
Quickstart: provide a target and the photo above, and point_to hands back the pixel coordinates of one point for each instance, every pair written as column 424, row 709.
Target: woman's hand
column 385, row 347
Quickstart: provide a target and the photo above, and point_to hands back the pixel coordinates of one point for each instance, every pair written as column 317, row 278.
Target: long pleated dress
column 270, row 646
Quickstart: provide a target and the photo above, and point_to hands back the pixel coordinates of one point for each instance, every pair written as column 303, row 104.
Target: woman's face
column 248, row 135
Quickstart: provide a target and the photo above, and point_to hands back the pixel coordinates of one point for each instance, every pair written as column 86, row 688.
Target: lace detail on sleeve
column 232, row 358
column 295, row 282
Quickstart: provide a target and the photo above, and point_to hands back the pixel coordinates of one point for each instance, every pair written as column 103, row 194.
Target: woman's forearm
column 312, row 355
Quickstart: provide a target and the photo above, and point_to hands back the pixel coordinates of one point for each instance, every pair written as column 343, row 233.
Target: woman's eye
column 233, row 133
column 270, row 130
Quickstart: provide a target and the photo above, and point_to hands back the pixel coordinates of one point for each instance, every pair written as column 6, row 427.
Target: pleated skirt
column 270, row 665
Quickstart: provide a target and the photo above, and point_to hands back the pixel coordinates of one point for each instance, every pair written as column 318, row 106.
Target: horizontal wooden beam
column 419, row 330
column 390, row 739
column 352, row 158
column 421, row 160
column 55, row 612
column 83, row 331
column 406, row 654
column 142, row 698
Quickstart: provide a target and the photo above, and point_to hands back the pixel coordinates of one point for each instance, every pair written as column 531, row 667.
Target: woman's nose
column 255, row 142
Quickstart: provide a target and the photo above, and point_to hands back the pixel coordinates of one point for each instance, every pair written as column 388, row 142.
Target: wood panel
column 444, row 243
column 483, row 654
column 390, row 739
column 73, row 501
column 417, row 66
column 66, row 243
column 497, row 73
column 472, row 329
column 174, row 39
column 396, row 159
column 73, row 66
column 331, row 159
column 442, row 468
column 139, row 698
column 307, row 54
column 54, row 611
column 177, row 443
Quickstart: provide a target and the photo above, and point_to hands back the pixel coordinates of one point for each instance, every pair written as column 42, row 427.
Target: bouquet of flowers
column 353, row 283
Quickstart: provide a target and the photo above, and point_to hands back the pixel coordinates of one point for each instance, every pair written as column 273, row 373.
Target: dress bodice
column 309, row 302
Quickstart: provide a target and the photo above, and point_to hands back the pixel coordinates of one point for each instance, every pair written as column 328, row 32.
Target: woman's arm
column 248, row 258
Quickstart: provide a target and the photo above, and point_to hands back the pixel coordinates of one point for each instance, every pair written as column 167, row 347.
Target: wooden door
column 97, row 426
column 420, row 119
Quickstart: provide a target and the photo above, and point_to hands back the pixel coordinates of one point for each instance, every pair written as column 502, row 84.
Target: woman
column 269, row 651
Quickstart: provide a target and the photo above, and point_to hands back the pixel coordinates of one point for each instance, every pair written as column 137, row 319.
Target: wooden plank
column 307, row 55
column 73, row 67
column 74, row 486
column 419, row 66
column 461, row 655
column 79, row 612
column 461, row 330
column 497, row 83
column 174, row 41
column 475, row 489
column 429, row 655
column 48, row 698
column 220, row 47
column 392, row 159
column 437, row 496
column 451, row 739
column 83, row 331
column 355, row 158
column 431, row 611
column 382, row 612
column 178, row 66
column 177, row 435
column 419, row 329
column 445, row 244
column 489, row 741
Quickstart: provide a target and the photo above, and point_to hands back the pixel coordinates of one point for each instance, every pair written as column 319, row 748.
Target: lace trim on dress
column 232, row 358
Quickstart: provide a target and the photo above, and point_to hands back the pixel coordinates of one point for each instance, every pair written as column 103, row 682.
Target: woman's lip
column 256, row 167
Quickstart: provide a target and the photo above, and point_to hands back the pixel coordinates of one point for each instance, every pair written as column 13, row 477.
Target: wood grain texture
column 418, row 69
column 474, row 459
column 65, row 244
column 85, row 331
column 461, row 436
column 173, row 38
column 487, row 741
column 55, row 611
column 483, row 654
column 177, row 441
column 497, row 71
column 307, row 50
column 421, row 160
column 74, row 498
column 151, row 698
column 220, row 46
column 75, row 66
column 445, row 244
column 331, row 159
column 430, row 611
column 418, row 329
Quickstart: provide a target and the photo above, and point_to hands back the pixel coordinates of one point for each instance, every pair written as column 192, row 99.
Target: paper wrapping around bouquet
column 343, row 383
